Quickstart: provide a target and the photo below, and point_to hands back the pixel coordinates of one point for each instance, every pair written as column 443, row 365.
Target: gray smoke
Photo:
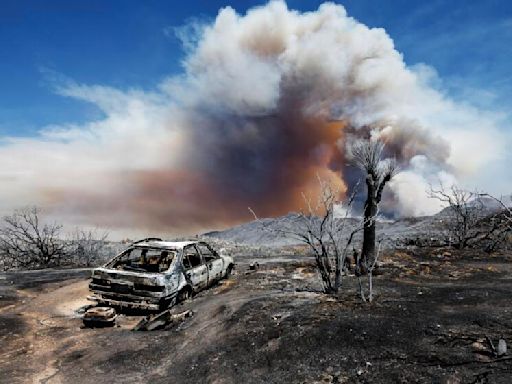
column 267, row 100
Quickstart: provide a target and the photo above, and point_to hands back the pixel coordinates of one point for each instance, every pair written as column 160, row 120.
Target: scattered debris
column 162, row 320
column 97, row 317
column 254, row 266
column 500, row 351
column 478, row 346
column 326, row 378
column 502, row 348
column 84, row 308
column 451, row 379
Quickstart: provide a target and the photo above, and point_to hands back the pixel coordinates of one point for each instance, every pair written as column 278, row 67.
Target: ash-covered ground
column 429, row 323
column 280, row 231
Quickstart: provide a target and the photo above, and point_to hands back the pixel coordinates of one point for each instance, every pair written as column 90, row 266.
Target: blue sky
column 124, row 44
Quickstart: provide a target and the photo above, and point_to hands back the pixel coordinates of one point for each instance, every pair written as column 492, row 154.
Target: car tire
column 229, row 270
column 184, row 295
column 167, row 303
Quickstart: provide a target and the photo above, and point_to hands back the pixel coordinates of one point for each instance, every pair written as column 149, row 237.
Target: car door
column 212, row 261
column 196, row 271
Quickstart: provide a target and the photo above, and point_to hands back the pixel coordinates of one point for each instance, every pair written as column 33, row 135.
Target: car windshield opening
column 144, row 260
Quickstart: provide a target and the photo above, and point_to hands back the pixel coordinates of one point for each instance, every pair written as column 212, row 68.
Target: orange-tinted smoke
column 209, row 195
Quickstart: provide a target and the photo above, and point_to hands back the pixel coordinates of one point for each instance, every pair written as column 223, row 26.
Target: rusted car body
column 155, row 274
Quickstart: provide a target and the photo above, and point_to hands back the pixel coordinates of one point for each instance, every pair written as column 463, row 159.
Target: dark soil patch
column 273, row 326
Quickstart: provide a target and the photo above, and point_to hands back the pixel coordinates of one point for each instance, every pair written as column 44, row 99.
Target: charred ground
column 429, row 323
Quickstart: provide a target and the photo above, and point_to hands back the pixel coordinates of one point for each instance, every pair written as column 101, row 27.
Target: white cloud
column 248, row 122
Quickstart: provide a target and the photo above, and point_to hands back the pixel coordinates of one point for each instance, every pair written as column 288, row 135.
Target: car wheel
column 229, row 270
column 184, row 295
column 167, row 303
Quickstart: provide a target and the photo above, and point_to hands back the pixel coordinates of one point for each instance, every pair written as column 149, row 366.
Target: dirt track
column 427, row 325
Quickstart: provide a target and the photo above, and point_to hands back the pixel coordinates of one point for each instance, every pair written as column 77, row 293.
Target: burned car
column 153, row 274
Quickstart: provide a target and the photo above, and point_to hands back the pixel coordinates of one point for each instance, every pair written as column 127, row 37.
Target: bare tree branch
column 468, row 220
column 323, row 232
column 26, row 242
column 86, row 247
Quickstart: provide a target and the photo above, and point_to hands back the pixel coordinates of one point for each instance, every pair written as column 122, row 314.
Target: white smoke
column 248, row 123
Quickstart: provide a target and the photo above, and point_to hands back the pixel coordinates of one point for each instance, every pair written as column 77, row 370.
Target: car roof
column 166, row 244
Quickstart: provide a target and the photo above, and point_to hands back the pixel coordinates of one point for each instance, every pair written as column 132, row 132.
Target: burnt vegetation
column 325, row 228
column 29, row 241
column 473, row 219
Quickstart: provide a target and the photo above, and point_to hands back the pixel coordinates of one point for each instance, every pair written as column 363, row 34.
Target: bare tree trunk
column 370, row 285
column 324, row 274
column 337, row 274
column 370, row 211
column 361, row 289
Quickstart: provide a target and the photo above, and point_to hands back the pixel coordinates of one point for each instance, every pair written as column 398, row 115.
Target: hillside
column 277, row 232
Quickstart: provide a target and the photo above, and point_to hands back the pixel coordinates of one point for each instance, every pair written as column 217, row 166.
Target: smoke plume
column 267, row 101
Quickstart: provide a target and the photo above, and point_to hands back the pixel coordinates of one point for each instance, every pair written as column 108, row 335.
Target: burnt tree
column 367, row 156
column 473, row 219
column 28, row 242
column 464, row 210
column 324, row 226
